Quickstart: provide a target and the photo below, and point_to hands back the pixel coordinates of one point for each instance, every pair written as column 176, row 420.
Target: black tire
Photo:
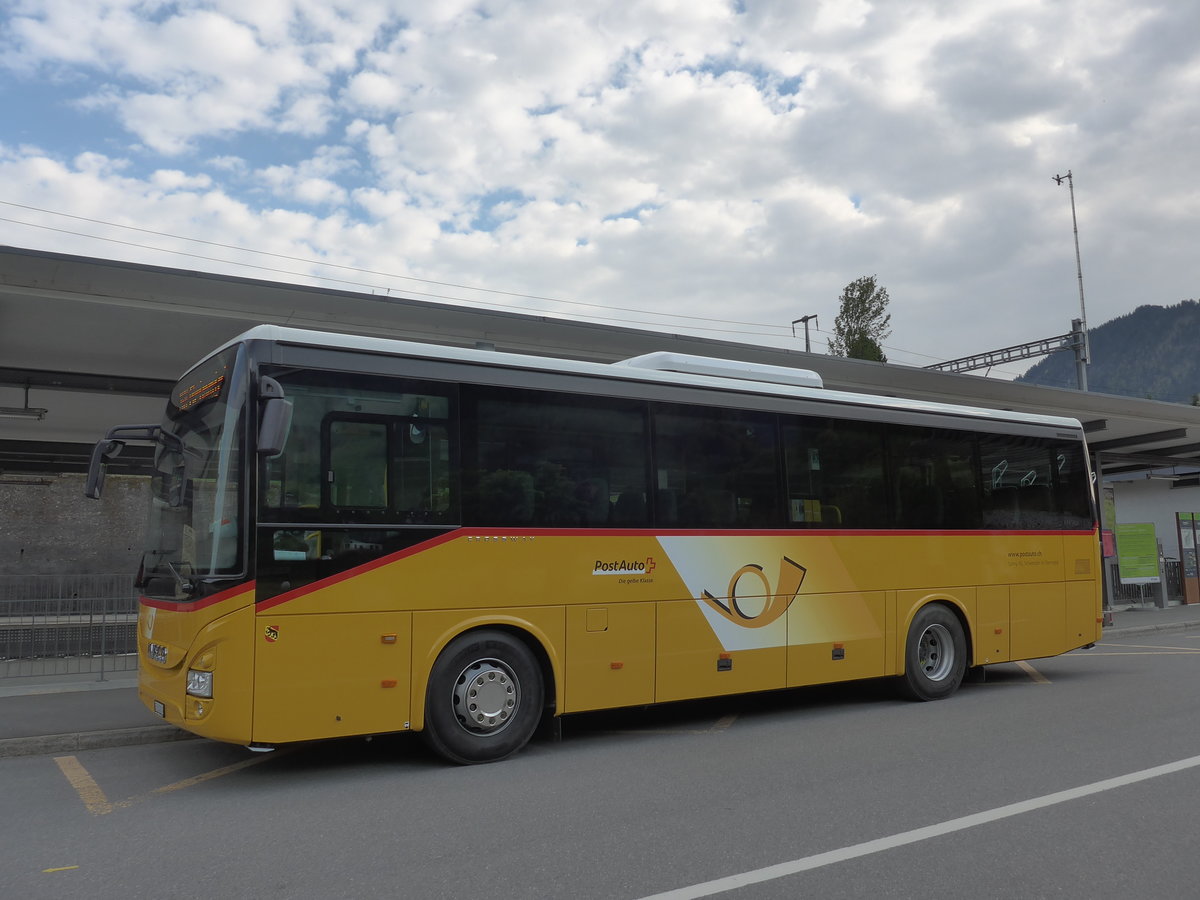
column 485, row 698
column 935, row 655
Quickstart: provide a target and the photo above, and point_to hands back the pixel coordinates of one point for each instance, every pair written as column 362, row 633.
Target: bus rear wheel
column 935, row 655
column 485, row 698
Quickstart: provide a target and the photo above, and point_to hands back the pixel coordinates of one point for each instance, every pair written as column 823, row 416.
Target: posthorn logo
column 751, row 601
column 624, row 566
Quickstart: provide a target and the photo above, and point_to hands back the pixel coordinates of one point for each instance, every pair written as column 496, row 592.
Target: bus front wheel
column 484, row 699
column 935, row 656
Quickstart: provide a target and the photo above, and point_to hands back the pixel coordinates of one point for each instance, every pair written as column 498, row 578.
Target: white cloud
column 174, row 180
column 312, row 182
column 172, row 74
column 696, row 157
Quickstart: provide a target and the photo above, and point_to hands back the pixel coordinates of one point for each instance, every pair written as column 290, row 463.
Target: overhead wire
column 685, row 320
column 422, row 294
column 361, row 270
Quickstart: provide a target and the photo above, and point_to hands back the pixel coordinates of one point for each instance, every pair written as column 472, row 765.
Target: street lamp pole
column 805, row 320
column 1085, row 356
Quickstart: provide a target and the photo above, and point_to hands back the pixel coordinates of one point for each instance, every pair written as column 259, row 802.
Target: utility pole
column 805, row 320
column 1084, row 354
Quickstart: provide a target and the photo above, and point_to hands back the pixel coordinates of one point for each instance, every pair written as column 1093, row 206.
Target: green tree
column 861, row 325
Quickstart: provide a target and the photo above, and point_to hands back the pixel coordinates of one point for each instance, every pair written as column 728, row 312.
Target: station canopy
column 97, row 343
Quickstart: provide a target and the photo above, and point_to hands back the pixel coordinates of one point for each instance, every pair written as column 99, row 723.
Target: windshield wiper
column 185, row 586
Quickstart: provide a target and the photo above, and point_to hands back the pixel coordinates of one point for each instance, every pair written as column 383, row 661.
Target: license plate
column 159, row 709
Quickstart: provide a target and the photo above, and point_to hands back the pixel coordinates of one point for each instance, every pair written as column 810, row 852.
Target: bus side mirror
column 110, row 448
column 275, row 417
column 104, row 450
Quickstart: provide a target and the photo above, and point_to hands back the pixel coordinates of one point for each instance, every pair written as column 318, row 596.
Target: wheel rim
column 486, row 696
column 935, row 652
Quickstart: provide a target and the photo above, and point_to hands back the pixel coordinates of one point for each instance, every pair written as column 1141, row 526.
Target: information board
column 1137, row 553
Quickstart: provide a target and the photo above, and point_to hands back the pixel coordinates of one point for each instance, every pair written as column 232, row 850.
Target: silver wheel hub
column 486, row 696
column 935, row 652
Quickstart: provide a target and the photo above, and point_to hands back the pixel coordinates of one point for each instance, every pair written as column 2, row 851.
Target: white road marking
column 807, row 863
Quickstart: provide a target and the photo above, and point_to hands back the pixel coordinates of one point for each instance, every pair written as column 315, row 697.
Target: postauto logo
column 624, row 566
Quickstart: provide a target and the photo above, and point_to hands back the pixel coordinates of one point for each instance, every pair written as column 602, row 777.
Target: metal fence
column 67, row 625
column 1170, row 590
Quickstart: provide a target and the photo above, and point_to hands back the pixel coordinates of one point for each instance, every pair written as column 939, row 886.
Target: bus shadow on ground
column 716, row 713
column 688, row 717
column 386, row 751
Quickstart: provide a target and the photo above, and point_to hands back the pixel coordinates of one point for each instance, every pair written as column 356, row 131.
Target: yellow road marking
column 59, row 869
column 85, row 786
column 1038, row 677
column 215, row 773
column 724, row 723
column 98, row 804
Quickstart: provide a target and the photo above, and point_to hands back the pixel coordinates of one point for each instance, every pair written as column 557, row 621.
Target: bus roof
column 741, row 377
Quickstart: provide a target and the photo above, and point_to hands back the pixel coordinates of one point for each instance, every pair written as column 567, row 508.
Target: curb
column 1148, row 629
column 92, row 740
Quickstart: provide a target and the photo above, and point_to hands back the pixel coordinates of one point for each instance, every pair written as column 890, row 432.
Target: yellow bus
column 352, row 536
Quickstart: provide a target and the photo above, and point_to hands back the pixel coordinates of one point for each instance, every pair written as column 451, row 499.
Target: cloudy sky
column 718, row 167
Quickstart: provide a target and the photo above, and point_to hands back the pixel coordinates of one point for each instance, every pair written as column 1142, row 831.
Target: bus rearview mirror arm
column 110, row 447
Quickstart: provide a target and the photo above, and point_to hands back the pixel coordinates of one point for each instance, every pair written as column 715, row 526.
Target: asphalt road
column 1076, row 777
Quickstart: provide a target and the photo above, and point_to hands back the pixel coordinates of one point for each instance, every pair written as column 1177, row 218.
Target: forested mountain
column 1152, row 352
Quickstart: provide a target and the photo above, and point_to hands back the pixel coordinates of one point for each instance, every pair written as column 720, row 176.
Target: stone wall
column 47, row 526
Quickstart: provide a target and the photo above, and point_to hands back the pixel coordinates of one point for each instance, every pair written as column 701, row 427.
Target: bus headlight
column 199, row 684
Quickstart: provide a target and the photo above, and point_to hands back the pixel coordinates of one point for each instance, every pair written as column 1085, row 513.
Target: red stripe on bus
column 510, row 532
column 193, row 605
column 360, row 569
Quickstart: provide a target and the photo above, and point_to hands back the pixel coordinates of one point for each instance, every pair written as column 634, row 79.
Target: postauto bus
column 353, row 535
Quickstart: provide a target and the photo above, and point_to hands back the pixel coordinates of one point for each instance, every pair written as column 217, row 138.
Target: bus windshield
column 196, row 494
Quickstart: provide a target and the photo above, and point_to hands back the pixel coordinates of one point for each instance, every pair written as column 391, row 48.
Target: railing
column 67, row 625
column 1170, row 590
column 1173, row 579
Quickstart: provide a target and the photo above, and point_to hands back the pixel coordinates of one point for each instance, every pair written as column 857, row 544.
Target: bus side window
column 357, row 474
column 420, row 466
column 1072, row 487
column 835, row 474
column 554, row 460
column 364, row 449
column 717, row 468
column 935, row 478
column 1019, row 483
